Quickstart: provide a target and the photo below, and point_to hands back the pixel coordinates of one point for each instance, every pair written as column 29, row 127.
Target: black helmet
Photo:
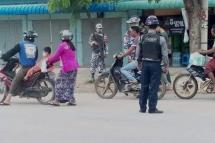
column 30, row 36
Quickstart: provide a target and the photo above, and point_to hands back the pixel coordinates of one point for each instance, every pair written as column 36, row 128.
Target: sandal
column 53, row 103
column 4, row 104
column 72, row 103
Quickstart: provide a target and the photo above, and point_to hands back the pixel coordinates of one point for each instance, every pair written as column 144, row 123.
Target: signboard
column 176, row 25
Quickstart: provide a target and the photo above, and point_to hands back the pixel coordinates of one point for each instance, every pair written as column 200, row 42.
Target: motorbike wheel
column 162, row 90
column 3, row 91
column 185, row 86
column 105, row 86
column 47, row 83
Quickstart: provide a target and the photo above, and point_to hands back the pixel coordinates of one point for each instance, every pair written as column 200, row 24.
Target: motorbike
column 186, row 85
column 39, row 86
column 109, row 83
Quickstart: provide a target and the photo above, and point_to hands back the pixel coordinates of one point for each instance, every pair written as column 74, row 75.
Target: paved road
column 109, row 121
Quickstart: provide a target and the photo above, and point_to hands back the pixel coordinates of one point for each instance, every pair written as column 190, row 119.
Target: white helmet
column 99, row 26
column 133, row 21
column 66, row 35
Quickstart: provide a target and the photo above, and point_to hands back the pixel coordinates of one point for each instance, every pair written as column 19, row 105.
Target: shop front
column 179, row 50
column 173, row 23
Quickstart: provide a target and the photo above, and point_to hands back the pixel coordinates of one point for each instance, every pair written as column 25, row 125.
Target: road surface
column 95, row 120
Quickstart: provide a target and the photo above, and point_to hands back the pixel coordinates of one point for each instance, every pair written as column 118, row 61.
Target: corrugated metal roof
column 102, row 7
column 123, row 5
column 23, row 9
column 144, row 4
column 13, row 2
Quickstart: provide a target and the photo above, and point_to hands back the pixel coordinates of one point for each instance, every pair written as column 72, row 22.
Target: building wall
column 9, row 33
column 114, row 26
column 49, row 26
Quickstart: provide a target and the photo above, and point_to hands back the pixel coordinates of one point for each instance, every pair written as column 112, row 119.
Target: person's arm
column 140, row 56
column 56, row 56
column 164, row 51
column 128, row 52
column 92, row 41
column 11, row 53
column 131, row 49
column 211, row 51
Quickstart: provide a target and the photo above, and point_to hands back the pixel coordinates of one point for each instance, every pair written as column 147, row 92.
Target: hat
column 133, row 21
column 99, row 26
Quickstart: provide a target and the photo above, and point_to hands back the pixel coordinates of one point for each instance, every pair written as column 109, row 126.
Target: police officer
column 98, row 44
column 153, row 50
column 28, row 54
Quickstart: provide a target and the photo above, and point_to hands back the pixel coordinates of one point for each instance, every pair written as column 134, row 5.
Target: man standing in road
column 153, row 50
column 98, row 44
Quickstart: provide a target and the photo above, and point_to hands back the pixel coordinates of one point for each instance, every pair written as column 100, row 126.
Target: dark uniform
column 153, row 50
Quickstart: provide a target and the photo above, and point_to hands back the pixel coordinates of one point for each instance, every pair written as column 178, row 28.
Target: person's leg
column 59, row 91
column 209, row 71
column 127, row 69
column 15, row 84
column 155, row 70
column 101, row 64
column 73, row 83
column 164, row 77
column 211, row 76
column 169, row 77
column 145, row 78
column 93, row 65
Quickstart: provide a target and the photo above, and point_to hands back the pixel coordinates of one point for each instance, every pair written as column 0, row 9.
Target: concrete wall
column 49, row 26
column 114, row 26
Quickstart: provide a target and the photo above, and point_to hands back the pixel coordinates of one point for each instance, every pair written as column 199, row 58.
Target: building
column 22, row 15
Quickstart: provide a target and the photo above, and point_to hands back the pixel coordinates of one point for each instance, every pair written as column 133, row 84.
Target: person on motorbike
column 134, row 50
column 28, row 54
column 127, row 39
column 39, row 65
column 210, row 66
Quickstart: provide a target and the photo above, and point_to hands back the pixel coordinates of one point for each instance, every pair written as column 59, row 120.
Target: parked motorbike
column 40, row 86
column 186, row 86
column 109, row 83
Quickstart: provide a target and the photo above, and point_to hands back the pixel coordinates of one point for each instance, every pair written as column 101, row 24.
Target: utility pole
column 204, row 24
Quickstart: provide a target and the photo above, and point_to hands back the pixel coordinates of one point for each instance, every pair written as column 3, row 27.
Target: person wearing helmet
column 128, row 39
column 133, row 50
column 28, row 54
column 98, row 43
column 65, row 83
column 153, row 50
